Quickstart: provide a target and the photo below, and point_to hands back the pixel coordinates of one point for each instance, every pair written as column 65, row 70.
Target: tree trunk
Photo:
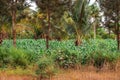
column 118, row 40
column 95, row 31
column 13, row 27
column 118, row 43
column 35, row 36
column 1, row 39
column 78, row 41
column 109, row 31
column 48, row 32
column 117, row 26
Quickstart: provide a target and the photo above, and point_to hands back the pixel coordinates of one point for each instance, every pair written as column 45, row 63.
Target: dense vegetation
column 61, row 54
column 59, row 34
column 87, row 46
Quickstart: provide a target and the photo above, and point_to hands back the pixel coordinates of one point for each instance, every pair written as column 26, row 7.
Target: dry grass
column 77, row 75
column 4, row 76
column 70, row 75
column 84, row 73
column 88, row 74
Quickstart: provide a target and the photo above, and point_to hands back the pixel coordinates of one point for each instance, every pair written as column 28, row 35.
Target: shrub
column 67, row 59
column 12, row 57
column 46, row 67
column 102, row 57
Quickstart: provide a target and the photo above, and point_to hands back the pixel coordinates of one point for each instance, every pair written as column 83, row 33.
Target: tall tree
column 53, row 9
column 12, row 7
column 95, row 17
column 4, row 18
column 80, row 16
column 111, row 11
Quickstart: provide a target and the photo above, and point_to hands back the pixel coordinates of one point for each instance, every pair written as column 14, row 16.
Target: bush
column 13, row 57
column 67, row 59
column 46, row 67
column 101, row 57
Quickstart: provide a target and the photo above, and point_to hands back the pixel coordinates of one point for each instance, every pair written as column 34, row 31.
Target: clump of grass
column 46, row 67
column 19, row 71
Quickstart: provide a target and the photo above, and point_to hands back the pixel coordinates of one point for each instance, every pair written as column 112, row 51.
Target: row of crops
column 62, row 54
column 38, row 46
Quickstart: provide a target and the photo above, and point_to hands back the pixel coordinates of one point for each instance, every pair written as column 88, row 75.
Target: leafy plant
column 67, row 59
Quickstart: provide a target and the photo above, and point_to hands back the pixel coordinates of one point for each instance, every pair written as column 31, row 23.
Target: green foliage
column 67, row 59
column 102, row 34
column 46, row 66
column 64, row 54
column 80, row 17
column 12, row 57
column 101, row 57
column 38, row 46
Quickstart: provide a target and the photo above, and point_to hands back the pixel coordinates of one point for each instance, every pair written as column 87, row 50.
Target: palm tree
column 80, row 18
